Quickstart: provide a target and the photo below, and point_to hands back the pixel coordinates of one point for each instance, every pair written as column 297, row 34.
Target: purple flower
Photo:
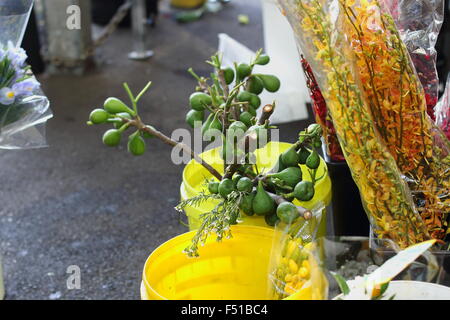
column 16, row 55
column 26, row 87
column 7, row 96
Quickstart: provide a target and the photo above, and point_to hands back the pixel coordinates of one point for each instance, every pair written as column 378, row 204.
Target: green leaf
column 342, row 283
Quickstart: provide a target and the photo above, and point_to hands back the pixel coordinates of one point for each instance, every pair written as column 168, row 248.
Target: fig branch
column 151, row 131
column 124, row 118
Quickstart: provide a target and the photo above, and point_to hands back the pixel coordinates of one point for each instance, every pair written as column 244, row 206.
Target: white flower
column 7, row 96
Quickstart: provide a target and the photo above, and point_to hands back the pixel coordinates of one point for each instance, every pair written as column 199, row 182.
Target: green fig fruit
column 313, row 161
column 279, row 166
column 244, row 70
column 272, row 219
column 290, row 157
column 246, row 118
column 226, row 186
column 246, row 204
column 291, row 176
column 303, row 155
column 251, row 110
column 114, row 105
column 244, row 96
column 263, row 204
column 119, row 123
column 99, row 116
column 213, row 187
column 236, row 178
column 287, row 212
column 252, row 99
column 255, row 101
column 136, row 145
column 112, row 138
column 195, row 116
column 255, row 85
column 198, row 101
column 237, row 129
column 263, row 60
column 228, row 74
column 304, row 191
column 245, row 185
column 271, row 83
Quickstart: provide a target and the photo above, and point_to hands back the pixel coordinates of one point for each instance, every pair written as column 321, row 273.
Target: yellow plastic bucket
column 194, row 176
column 234, row 269
column 187, row 4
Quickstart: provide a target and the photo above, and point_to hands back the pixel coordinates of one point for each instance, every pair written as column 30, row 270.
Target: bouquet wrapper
column 372, row 91
column 443, row 110
column 419, row 23
column 24, row 109
column 294, row 271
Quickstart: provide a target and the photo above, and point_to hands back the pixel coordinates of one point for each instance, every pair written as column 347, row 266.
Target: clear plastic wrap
column 419, row 35
column 443, row 110
column 419, row 23
column 24, row 109
column 322, row 116
column 398, row 105
column 294, row 271
column 324, row 32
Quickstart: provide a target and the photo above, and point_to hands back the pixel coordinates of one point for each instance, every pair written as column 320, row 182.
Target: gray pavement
column 80, row 203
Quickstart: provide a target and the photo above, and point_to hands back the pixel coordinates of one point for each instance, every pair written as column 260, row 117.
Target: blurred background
column 80, row 203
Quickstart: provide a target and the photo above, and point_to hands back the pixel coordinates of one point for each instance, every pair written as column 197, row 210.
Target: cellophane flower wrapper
column 443, row 110
column 398, row 105
column 324, row 31
column 24, row 109
column 419, row 23
column 319, row 106
column 293, row 268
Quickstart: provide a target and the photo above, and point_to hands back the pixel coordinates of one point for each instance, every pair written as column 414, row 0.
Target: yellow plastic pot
column 187, row 4
column 234, row 269
column 194, row 176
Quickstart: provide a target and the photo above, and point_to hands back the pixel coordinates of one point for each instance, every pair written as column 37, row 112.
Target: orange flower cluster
column 397, row 102
column 321, row 31
column 399, row 158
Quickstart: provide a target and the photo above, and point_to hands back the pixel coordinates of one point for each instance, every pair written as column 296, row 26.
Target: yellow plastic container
column 187, row 4
column 234, row 269
column 194, row 176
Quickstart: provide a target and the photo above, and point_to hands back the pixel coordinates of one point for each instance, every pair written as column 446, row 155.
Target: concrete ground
column 80, row 203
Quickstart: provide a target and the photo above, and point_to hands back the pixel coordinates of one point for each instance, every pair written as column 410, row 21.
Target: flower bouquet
column 398, row 157
column 23, row 107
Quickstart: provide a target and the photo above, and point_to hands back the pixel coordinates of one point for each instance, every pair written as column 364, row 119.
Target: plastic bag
column 443, row 110
column 419, row 23
column 294, row 272
column 419, row 35
column 24, row 109
column 322, row 116
column 324, row 33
